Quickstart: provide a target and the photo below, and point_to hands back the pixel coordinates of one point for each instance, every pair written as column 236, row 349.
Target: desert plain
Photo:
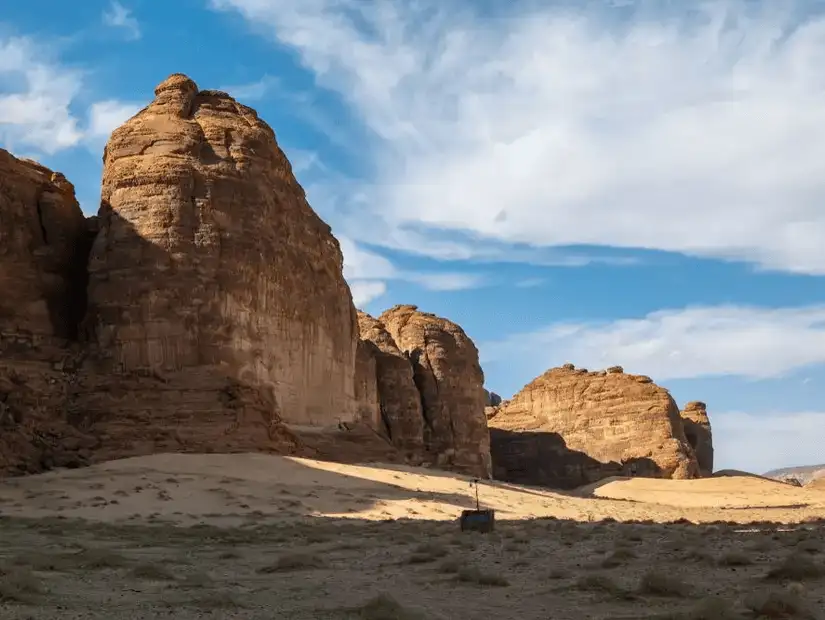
column 258, row 536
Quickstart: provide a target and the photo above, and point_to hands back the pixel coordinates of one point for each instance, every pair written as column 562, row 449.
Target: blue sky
column 617, row 182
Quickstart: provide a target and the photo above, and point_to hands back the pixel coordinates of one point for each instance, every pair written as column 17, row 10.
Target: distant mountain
column 804, row 474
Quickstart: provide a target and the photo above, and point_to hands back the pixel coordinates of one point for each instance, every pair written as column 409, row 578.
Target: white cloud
column 365, row 291
column 118, row 16
column 678, row 344
column 106, row 116
column 367, row 272
column 701, row 131
column 252, row 91
column 35, row 98
column 761, row 442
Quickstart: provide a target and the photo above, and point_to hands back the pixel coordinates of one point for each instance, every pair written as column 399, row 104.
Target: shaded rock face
column 43, row 247
column 571, row 427
column 450, row 382
column 42, row 263
column 400, row 410
column 210, row 263
column 698, row 434
column 493, row 399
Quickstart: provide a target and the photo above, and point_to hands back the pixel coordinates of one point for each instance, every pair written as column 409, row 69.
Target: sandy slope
column 227, row 488
column 258, row 551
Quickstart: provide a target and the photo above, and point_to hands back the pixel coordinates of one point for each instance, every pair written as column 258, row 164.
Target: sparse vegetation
column 779, row 604
column 293, row 562
column 471, row 574
column 600, row 582
column 660, row 583
column 19, row 585
column 796, row 567
column 428, row 552
column 385, row 607
column 735, row 558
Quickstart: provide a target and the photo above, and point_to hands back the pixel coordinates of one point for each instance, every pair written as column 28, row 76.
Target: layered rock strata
column 450, row 381
column 400, row 410
column 571, row 427
column 698, row 433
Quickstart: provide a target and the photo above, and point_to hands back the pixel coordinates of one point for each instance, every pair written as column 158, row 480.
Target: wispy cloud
column 105, row 117
column 684, row 343
column 252, row 91
column 118, row 16
column 697, row 129
column 759, row 443
column 368, row 272
column 365, row 291
column 36, row 114
column 40, row 111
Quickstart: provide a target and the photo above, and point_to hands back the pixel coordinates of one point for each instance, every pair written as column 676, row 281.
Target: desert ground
column 268, row 537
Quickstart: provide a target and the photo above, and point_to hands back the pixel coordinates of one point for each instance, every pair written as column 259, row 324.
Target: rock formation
column 571, row 427
column 450, row 381
column 399, row 401
column 209, row 258
column 42, row 268
column 41, row 260
column 492, row 399
column 698, row 433
column 204, row 309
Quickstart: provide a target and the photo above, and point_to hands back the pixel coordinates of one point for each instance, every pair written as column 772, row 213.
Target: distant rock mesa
column 571, row 427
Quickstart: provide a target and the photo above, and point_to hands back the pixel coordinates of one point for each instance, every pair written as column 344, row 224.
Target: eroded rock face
column 450, row 381
column 571, row 427
column 698, row 433
column 42, row 264
column 399, row 400
column 211, row 266
column 42, row 257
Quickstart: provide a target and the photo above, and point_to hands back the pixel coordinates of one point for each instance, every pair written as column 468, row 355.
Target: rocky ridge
column 570, row 427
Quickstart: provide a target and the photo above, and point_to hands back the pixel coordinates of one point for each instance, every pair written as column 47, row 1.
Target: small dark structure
column 477, row 520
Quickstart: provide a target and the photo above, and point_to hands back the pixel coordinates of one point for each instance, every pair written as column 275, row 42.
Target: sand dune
column 227, row 488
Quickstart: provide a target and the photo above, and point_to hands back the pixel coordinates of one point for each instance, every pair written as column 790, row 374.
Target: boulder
column 217, row 306
column 402, row 418
column 450, row 382
column 568, row 428
column 698, row 434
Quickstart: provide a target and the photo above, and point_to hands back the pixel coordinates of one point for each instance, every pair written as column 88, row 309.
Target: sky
column 639, row 183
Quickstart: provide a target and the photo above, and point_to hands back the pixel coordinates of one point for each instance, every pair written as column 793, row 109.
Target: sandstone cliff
column 42, row 264
column 217, row 307
column 204, row 309
column 450, row 381
column 43, row 243
column 399, row 400
column 571, row 427
column 698, row 433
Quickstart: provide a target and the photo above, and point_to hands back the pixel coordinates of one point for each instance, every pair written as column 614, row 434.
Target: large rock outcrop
column 698, row 433
column 43, row 245
column 212, row 274
column 42, row 263
column 571, row 427
column 399, row 400
column 450, row 382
